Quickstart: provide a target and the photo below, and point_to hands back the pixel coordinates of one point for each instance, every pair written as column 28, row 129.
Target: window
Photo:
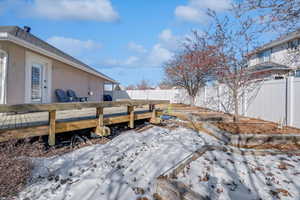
column 36, row 83
column 292, row 45
column 265, row 56
column 3, row 63
column 297, row 74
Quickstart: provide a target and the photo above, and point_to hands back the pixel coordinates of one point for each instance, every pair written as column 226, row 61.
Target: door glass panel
column 36, row 83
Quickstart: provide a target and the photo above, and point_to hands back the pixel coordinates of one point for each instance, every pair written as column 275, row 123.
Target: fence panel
column 296, row 103
column 270, row 102
column 276, row 100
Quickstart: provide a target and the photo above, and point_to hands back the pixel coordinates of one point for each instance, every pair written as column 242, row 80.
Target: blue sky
column 127, row 40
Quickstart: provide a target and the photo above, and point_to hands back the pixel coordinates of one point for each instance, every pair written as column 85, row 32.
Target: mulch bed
column 244, row 126
column 280, row 147
column 14, row 171
column 255, row 127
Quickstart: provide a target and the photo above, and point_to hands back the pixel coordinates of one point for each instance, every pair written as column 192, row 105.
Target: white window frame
column 47, row 63
column 265, row 56
column 3, row 98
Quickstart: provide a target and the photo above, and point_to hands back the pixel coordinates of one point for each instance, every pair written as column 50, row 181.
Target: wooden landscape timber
column 99, row 124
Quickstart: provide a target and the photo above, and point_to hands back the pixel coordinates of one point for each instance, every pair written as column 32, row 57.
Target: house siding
column 15, row 91
column 67, row 77
column 279, row 55
column 63, row 77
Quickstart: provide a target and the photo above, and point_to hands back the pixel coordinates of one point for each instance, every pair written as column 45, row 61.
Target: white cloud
column 216, row 5
column 156, row 56
column 130, row 61
column 188, row 13
column 159, row 55
column 195, row 10
column 96, row 10
column 73, row 46
column 136, row 47
column 168, row 40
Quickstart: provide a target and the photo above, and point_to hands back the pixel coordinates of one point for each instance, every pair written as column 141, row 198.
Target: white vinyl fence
column 276, row 100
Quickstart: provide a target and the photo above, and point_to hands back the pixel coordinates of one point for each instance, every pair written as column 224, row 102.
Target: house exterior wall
column 280, row 54
column 67, row 77
column 63, row 77
column 15, row 91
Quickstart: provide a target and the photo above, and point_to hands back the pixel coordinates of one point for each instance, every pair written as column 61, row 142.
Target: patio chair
column 71, row 94
column 107, row 97
column 62, row 96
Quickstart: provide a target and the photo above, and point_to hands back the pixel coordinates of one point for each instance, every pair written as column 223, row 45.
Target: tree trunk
column 193, row 100
column 236, row 107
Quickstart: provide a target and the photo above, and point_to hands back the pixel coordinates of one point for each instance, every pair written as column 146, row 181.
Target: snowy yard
column 126, row 168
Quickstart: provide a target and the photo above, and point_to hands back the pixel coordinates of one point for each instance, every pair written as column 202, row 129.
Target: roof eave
column 11, row 38
column 276, row 43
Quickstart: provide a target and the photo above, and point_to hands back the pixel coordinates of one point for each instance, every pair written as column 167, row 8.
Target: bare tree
column 130, row 87
column 143, row 85
column 191, row 68
column 164, row 85
column 234, row 45
column 274, row 14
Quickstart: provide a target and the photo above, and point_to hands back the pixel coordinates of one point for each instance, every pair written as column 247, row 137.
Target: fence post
column 290, row 101
column 52, row 121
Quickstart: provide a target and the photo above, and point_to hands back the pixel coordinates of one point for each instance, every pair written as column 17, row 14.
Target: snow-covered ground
column 225, row 175
column 126, row 168
column 115, row 169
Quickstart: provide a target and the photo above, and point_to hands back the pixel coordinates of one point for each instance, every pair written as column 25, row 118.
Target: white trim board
column 3, row 79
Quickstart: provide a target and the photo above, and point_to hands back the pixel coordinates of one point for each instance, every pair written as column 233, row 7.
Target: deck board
column 28, row 120
column 23, row 120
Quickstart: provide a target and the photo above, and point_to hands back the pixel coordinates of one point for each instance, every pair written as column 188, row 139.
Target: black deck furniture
column 107, row 97
column 72, row 94
column 62, row 96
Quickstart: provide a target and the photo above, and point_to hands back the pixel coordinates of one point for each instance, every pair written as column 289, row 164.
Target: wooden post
column 52, row 121
column 154, row 119
column 130, row 110
column 100, row 116
column 151, row 107
column 99, row 130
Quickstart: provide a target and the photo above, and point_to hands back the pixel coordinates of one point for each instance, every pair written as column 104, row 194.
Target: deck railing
column 98, row 124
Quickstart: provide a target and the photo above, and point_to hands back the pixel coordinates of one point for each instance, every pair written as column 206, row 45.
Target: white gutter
column 11, row 38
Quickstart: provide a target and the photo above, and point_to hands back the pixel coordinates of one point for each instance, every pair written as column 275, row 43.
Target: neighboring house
column 279, row 57
column 31, row 70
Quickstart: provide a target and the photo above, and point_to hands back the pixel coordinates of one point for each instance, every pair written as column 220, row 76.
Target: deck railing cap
column 75, row 106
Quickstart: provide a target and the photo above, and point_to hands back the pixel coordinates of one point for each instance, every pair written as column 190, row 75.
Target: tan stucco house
column 31, row 70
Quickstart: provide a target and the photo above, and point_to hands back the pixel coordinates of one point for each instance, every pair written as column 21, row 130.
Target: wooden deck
column 28, row 120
